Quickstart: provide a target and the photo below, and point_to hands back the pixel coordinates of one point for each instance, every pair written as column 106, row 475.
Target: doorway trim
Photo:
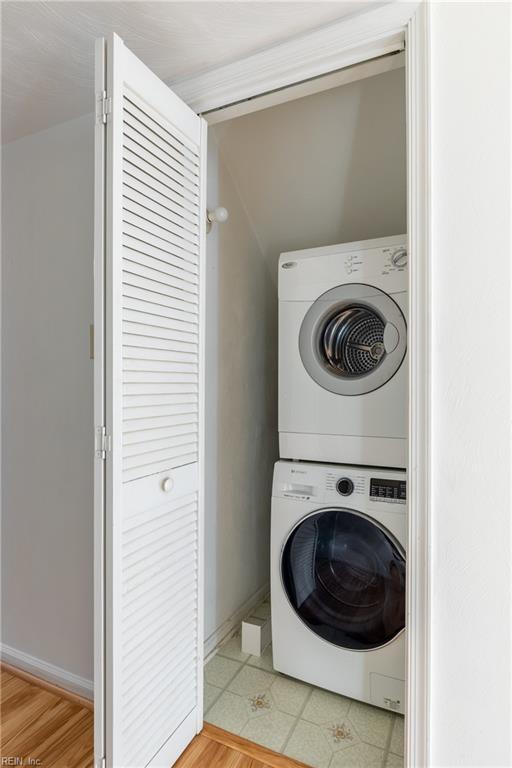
column 375, row 32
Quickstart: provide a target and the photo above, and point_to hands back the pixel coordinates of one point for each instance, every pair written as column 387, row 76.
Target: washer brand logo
column 298, row 472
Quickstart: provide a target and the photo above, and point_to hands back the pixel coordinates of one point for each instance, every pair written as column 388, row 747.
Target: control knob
column 344, row 486
column 399, row 257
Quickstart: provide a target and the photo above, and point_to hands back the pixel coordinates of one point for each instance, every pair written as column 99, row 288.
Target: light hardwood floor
column 41, row 724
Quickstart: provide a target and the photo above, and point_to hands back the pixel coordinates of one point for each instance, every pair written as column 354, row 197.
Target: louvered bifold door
column 154, row 246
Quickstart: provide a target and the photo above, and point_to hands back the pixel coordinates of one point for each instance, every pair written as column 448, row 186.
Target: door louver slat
column 138, row 197
column 142, row 170
column 186, row 151
column 137, row 134
column 159, row 270
column 166, row 165
column 163, row 233
column 156, row 417
column 151, row 194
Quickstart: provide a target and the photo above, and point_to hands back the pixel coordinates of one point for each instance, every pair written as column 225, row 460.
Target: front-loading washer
column 342, row 353
column 338, row 561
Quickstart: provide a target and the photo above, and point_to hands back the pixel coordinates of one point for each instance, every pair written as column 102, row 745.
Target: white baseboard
column 233, row 623
column 46, row 671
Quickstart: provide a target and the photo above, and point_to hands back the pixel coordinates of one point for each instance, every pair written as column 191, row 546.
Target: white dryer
column 342, row 353
column 338, row 539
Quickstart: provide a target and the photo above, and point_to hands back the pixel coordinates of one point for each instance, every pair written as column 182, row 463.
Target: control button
column 399, row 257
column 345, row 486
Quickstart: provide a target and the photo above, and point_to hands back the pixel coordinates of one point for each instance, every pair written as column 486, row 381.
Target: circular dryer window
column 353, row 339
column 344, row 575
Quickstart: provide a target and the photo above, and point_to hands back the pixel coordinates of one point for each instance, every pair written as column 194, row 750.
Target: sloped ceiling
column 48, row 47
column 329, row 168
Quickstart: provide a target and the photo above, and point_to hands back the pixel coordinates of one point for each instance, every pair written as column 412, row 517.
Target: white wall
column 47, row 451
column 328, row 168
column 241, row 428
column 471, row 674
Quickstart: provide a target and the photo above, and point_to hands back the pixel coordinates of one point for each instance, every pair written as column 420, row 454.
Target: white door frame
column 366, row 35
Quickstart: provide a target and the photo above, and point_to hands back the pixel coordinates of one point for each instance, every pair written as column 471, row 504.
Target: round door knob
column 167, row 484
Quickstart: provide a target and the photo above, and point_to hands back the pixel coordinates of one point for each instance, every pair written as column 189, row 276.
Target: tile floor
column 244, row 695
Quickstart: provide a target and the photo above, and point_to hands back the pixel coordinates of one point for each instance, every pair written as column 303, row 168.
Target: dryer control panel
column 330, row 484
column 306, row 275
column 386, row 261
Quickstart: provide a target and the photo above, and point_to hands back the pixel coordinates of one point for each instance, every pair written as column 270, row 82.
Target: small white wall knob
column 219, row 215
column 167, row 484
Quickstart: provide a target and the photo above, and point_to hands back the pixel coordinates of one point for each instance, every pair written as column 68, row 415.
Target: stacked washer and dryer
column 339, row 516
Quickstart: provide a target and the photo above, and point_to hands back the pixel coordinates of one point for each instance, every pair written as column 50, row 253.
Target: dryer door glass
column 353, row 339
column 344, row 575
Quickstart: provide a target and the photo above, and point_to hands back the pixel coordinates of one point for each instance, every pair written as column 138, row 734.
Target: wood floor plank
column 57, row 690
column 23, row 711
column 49, row 735
column 12, row 687
column 38, row 723
column 74, row 747
column 256, row 751
column 231, row 751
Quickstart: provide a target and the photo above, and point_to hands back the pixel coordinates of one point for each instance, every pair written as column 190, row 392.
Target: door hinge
column 103, row 443
column 103, row 107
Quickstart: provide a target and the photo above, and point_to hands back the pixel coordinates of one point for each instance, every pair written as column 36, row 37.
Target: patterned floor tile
column 259, row 704
column 219, row 671
column 289, row 695
column 309, row 745
column 323, row 707
column 228, row 712
column 372, row 724
column 245, row 695
column 264, row 661
column 340, row 734
column 394, row 761
column 251, row 681
column 211, row 694
column 397, row 737
column 359, row 756
column 233, row 649
column 270, row 730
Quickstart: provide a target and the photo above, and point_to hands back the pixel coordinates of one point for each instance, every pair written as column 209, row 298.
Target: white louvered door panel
column 154, row 250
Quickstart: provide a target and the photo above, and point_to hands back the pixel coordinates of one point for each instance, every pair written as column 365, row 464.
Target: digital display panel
column 388, row 489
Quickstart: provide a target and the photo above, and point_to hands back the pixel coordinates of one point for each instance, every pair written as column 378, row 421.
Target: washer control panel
column 393, row 490
column 331, row 484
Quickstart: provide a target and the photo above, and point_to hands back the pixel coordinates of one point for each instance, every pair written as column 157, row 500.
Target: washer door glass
column 344, row 576
column 353, row 339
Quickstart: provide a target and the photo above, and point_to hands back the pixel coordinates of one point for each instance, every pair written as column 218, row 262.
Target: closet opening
column 307, row 420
